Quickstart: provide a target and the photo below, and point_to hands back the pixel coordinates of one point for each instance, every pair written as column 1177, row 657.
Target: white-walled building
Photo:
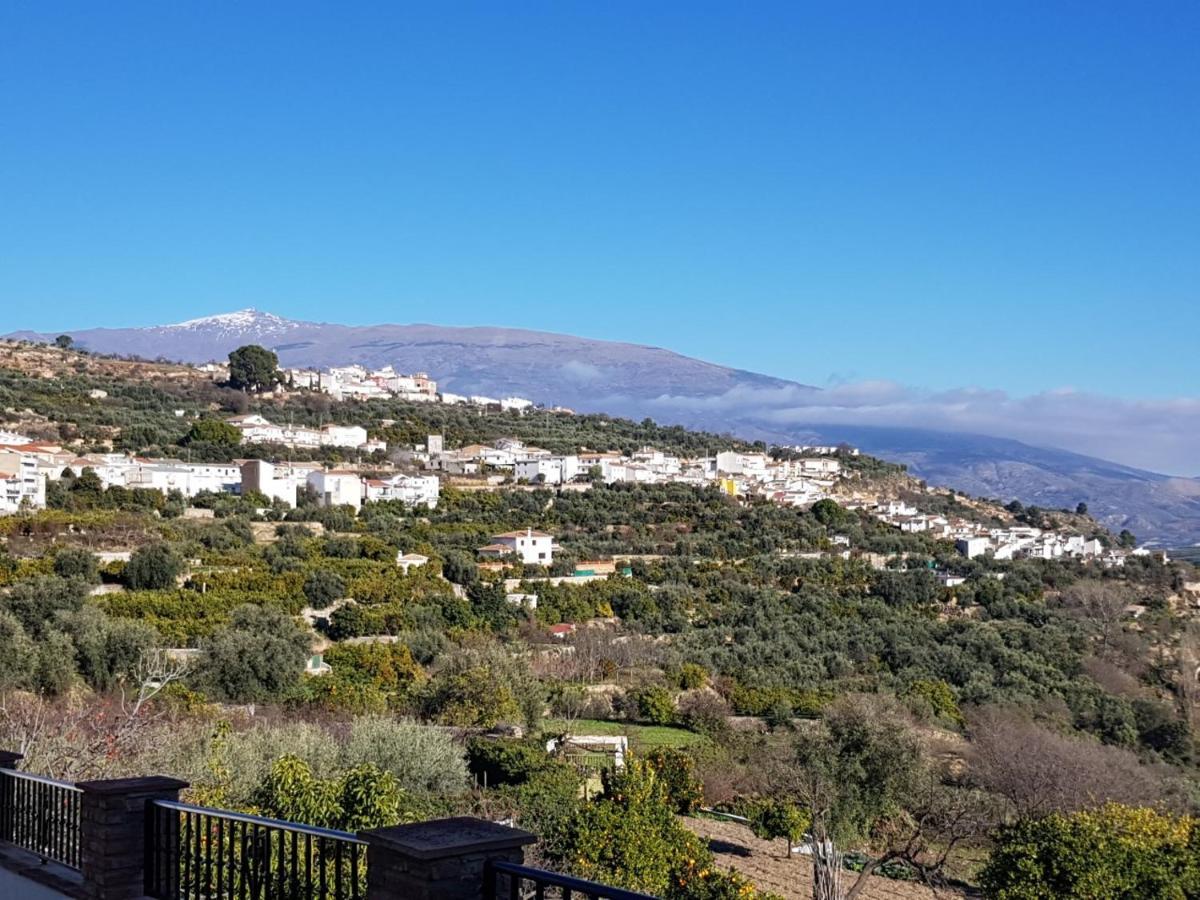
column 276, row 481
column 547, row 469
column 412, row 490
column 257, row 429
column 22, row 485
column 189, row 479
column 336, row 488
column 407, row 561
column 351, row 436
column 110, row 468
column 533, row 547
column 972, row 547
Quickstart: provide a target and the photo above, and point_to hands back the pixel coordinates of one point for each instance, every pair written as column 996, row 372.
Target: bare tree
column 1101, row 604
column 85, row 735
column 1039, row 771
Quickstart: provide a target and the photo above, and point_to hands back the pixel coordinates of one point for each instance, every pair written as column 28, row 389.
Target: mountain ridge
column 639, row 380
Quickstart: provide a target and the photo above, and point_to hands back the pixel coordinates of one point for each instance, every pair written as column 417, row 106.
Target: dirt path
column 763, row 863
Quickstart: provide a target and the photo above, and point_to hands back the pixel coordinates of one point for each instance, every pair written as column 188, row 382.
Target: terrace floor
column 735, row 846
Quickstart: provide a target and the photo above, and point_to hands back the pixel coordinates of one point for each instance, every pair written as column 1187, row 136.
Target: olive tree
column 258, row 656
column 857, row 767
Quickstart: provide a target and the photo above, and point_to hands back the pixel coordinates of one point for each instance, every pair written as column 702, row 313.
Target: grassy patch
column 645, row 737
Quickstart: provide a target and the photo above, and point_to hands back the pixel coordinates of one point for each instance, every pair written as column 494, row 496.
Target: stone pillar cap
column 150, row 784
column 444, row 838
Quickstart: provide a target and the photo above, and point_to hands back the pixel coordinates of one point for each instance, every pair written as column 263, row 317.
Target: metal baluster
column 308, row 866
column 281, row 865
column 321, row 860
column 185, row 839
column 232, row 860
column 337, row 870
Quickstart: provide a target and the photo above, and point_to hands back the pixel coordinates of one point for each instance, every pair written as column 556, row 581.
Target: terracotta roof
column 521, row 534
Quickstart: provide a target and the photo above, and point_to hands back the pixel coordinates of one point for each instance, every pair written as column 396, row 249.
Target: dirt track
column 762, row 861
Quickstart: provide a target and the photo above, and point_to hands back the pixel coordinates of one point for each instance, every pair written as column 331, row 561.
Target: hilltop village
column 796, row 476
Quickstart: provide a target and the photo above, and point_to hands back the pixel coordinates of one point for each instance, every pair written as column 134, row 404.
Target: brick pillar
column 112, row 833
column 8, row 760
column 438, row 860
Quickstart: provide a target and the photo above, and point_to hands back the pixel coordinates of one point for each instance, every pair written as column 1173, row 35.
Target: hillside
column 387, row 645
column 639, row 381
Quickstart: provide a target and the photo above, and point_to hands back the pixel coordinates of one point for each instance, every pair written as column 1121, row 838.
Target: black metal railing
column 509, row 881
column 40, row 815
column 194, row 851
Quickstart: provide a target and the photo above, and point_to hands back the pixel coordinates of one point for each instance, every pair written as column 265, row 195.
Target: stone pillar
column 112, row 833
column 438, row 860
column 8, row 760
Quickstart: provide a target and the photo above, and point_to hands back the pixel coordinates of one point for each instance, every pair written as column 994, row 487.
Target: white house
column 187, row 478
column 21, row 484
column 276, row 481
column 533, row 547
column 413, row 490
column 336, row 488
column 110, row 468
column 547, row 469
column 352, row 436
column 256, row 429
column 972, row 547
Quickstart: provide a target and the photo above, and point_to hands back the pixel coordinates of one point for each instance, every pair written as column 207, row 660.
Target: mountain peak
column 243, row 320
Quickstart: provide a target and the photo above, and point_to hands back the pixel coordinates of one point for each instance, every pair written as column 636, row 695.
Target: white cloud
column 577, row 370
column 1160, row 435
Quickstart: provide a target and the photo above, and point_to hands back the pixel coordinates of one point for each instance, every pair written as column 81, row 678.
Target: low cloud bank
column 1159, row 435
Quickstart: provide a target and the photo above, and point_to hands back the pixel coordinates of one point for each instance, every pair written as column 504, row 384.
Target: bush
column 1115, row 851
column 704, row 712
column 422, row 759
column 259, row 655
column 655, row 705
column 691, row 677
column 75, row 562
column 936, row 697
column 360, row 798
column 152, row 568
column 322, row 587
column 677, row 772
column 497, row 762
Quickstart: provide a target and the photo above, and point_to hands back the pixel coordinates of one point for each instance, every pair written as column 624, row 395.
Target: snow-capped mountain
column 249, row 321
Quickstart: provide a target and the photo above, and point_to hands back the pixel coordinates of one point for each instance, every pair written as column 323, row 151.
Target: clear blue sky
column 945, row 194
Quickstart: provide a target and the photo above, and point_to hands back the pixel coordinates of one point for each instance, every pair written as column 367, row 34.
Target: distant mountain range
column 635, row 380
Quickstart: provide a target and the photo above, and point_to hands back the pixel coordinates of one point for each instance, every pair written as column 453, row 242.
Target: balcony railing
column 40, row 815
column 194, row 851
column 509, row 881
column 140, row 840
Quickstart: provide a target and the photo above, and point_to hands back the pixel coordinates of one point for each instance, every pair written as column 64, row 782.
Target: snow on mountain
column 244, row 321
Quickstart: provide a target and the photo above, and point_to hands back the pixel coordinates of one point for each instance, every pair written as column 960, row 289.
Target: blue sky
column 945, row 195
